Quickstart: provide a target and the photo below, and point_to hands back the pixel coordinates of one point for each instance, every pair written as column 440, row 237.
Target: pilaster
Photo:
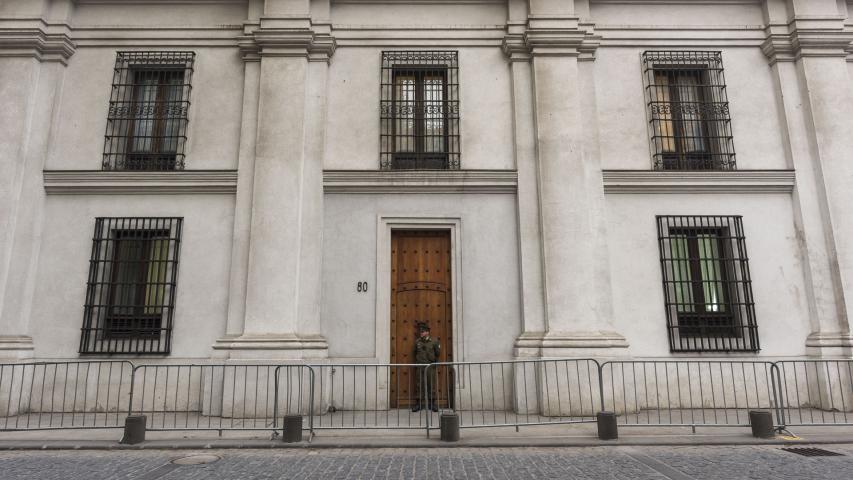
column 278, row 228
column 807, row 47
column 33, row 56
column 569, row 228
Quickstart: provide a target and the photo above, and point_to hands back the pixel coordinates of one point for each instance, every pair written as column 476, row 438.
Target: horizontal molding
column 421, row 2
column 100, row 182
column 738, row 181
column 676, row 2
column 411, row 181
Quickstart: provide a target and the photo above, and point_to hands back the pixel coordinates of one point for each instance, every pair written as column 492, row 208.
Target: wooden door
column 420, row 292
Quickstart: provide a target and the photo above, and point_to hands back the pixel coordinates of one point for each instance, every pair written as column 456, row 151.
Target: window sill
column 420, row 181
column 111, row 182
column 735, row 181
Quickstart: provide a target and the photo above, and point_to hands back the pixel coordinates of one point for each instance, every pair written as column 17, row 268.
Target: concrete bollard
column 607, row 429
column 292, row 429
column 449, row 423
column 761, row 422
column 134, row 430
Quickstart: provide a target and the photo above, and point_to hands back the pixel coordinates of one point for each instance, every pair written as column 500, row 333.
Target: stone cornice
column 287, row 43
column 737, row 181
column 35, row 42
column 551, row 36
column 101, row 182
column 410, row 181
column 807, row 37
column 288, row 37
column 515, row 47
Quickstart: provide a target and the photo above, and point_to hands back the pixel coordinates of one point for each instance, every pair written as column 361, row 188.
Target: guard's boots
column 416, row 408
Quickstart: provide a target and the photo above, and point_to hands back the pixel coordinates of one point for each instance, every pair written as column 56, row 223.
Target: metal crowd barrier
column 100, row 394
column 219, row 397
column 56, row 395
column 520, row 392
column 815, row 392
column 369, row 396
column 687, row 393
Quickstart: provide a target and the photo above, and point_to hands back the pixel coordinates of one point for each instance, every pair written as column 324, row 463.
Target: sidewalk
column 531, row 436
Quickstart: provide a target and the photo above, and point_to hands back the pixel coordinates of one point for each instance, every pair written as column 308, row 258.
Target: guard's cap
column 423, row 327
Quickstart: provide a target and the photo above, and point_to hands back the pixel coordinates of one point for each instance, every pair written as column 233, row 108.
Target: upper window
column 707, row 287
column 419, row 110
column 147, row 120
column 130, row 298
column 688, row 111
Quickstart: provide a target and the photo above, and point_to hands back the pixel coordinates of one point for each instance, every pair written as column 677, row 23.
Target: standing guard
column 426, row 352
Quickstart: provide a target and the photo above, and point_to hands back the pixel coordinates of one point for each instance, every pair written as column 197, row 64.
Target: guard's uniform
column 427, row 350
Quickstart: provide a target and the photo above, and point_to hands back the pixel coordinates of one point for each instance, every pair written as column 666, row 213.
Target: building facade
column 307, row 179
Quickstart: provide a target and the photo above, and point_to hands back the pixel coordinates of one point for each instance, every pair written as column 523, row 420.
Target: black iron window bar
column 130, row 295
column 706, row 284
column 419, row 110
column 147, row 119
column 688, row 110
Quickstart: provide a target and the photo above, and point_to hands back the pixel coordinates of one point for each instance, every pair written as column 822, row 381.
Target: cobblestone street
column 635, row 463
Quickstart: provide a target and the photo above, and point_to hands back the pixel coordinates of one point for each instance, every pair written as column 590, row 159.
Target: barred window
column 706, row 284
column 130, row 299
column 688, row 111
column 147, row 119
column 419, row 110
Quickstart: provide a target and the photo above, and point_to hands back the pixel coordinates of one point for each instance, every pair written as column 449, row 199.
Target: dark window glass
column 707, row 286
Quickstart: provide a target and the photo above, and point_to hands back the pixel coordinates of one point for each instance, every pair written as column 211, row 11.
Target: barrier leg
column 292, row 429
column 449, row 423
column 607, row 429
column 134, row 430
column 762, row 423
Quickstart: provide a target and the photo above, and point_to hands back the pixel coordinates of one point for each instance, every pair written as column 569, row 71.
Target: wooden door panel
column 420, row 292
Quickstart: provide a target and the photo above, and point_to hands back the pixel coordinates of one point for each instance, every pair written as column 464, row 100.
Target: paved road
column 634, row 463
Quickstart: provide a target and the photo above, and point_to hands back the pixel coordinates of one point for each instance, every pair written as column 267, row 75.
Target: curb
column 435, row 444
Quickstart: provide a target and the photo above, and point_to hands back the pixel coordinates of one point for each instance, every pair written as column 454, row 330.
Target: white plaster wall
column 160, row 14
column 352, row 140
column 774, row 263
column 63, row 268
column 385, row 14
column 490, row 312
column 671, row 14
column 623, row 120
column 213, row 132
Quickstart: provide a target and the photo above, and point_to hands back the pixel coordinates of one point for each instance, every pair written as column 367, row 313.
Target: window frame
column 419, row 121
column 141, row 285
column 680, row 158
column 168, row 159
column 691, row 322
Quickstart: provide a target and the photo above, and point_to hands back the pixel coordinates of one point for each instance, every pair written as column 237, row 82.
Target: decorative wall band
column 99, row 182
column 738, row 181
column 410, row 181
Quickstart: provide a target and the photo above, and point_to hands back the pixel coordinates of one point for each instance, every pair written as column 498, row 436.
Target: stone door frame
column 385, row 225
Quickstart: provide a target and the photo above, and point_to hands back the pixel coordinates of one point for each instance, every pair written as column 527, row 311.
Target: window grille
column 688, row 111
column 419, row 110
column 147, row 119
column 130, row 299
column 706, row 283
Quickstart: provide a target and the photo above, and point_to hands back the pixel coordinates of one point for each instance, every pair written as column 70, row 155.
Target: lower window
column 707, row 287
column 130, row 297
